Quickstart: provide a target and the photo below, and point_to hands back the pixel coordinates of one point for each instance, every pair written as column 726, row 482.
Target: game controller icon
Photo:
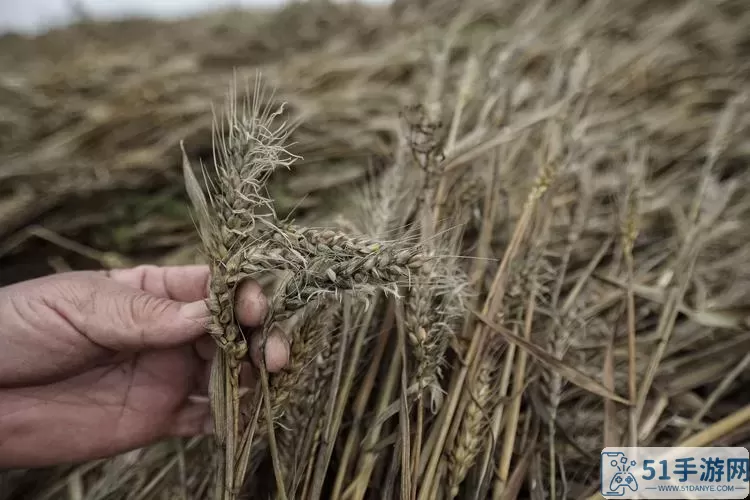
column 615, row 471
column 623, row 480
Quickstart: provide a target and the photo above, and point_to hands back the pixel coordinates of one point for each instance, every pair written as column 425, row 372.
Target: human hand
column 97, row 363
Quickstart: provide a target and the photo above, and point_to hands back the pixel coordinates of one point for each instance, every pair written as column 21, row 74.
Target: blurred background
column 32, row 16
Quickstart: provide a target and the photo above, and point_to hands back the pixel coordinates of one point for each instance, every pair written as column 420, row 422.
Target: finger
column 182, row 283
column 194, row 419
column 189, row 284
column 205, row 347
column 119, row 317
column 204, row 386
column 204, row 398
column 276, row 352
column 251, row 305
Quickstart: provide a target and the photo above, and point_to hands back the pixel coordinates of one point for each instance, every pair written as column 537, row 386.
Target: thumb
column 119, row 317
column 132, row 319
column 150, row 322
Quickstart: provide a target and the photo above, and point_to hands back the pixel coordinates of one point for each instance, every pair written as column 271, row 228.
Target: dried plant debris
column 498, row 236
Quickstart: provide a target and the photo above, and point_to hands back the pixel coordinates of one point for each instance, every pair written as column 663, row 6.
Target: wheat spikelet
column 474, row 427
column 322, row 374
column 418, row 318
column 434, row 309
column 385, row 205
column 327, row 241
column 291, row 389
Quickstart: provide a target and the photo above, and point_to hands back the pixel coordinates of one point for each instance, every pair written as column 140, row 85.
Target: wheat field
column 499, row 236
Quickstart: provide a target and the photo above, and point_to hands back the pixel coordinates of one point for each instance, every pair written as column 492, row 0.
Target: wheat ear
column 248, row 147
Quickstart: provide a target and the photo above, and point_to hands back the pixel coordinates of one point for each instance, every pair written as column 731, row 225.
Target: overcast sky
column 33, row 15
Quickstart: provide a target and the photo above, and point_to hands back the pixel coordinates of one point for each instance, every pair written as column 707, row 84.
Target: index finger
column 190, row 284
column 181, row 283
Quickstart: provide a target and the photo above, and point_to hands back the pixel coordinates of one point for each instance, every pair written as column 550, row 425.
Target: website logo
column 679, row 472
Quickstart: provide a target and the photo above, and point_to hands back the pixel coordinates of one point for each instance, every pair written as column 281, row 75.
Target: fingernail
column 198, row 399
column 251, row 304
column 277, row 351
column 195, row 311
